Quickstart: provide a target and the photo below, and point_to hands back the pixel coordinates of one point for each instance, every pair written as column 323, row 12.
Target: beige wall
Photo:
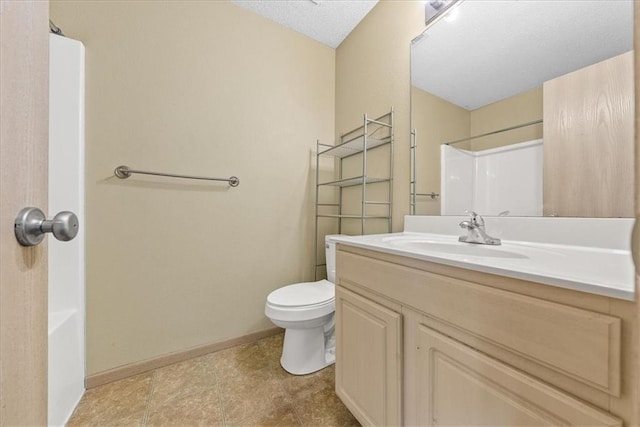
column 515, row 110
column 372, row 75
column 436, row 121
column 203, row 88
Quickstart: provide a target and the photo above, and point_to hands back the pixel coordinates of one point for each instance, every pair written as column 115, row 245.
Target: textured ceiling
column 495, row 49
column 327, row 21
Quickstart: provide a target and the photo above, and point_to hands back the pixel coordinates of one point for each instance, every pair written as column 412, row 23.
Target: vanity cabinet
column 474, row 348
column 368, row 358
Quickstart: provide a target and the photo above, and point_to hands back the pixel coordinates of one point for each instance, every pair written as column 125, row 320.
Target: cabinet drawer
column 581, row 344
column 460, row 386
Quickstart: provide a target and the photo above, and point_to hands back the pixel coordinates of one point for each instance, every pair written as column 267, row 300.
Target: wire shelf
column 358, row 180
column 354, row 146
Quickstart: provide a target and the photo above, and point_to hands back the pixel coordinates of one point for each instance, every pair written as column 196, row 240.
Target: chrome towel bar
column 124, row 172
column 432, row 195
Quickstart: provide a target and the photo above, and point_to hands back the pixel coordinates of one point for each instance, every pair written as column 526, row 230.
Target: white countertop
column 607, row 271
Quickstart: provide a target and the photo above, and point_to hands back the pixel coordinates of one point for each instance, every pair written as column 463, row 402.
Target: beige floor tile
column 182, row 378
column 131, row 420
column 280, row 416
column 197, row 409
column 266, row 375
column 272, row 350
column 300, row 387
column 272, row 346
column 244, row 400
column 243, row 361
column 114, row 402
column 244, row 357
column 240, row 386
column 324, row 408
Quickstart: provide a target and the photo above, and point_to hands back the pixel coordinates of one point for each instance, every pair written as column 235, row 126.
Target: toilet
column 306, row 312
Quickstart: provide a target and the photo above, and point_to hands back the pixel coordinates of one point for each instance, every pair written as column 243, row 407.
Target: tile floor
column 240, row 386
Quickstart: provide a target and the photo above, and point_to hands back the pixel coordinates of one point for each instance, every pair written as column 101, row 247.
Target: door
column 368, row 354
column 589, row 117
column 24, row 112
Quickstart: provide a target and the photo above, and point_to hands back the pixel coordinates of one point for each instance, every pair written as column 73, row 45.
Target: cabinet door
column 458, row 386
column 368, row 354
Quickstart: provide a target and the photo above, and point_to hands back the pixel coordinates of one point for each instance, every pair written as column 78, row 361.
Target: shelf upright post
column 315, row 246
column 339, row 165
column 391, row 135
column 414, row 153
column 364, row 172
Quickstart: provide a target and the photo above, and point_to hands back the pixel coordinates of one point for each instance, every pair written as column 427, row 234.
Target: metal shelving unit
column 373, row 134
column 413, row 181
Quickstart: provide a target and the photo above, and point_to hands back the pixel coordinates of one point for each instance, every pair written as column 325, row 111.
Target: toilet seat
column 301, row 301
column 303, row 294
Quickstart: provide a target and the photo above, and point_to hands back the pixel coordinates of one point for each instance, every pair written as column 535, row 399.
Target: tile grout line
column 291, row 399
column 182, row 394
column 147, row 408
column 219, row 394
column 295, row 412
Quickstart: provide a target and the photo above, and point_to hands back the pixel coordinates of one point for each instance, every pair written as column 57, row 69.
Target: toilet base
column 307, row 350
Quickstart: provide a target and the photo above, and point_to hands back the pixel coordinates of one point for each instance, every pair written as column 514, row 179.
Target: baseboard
column 131, row 369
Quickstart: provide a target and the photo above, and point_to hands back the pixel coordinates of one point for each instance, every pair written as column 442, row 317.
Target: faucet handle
column 475, row 218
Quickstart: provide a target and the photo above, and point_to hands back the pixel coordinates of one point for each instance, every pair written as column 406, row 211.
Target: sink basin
column 607, row 271
column 457, row 248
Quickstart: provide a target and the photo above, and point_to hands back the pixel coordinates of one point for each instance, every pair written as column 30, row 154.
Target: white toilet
column 306, row 312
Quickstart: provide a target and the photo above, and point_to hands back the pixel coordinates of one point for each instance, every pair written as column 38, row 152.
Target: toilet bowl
column 306, row 312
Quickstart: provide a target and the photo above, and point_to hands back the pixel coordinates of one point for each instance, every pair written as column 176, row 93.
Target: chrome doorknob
column 31, row 226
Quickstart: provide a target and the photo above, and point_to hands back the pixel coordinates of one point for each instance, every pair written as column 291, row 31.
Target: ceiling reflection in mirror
column 525, row 107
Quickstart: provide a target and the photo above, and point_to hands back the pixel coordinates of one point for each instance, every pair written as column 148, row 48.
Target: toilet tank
column 330, row 256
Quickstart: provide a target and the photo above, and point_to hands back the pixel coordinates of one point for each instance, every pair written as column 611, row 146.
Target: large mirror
column 524, row 108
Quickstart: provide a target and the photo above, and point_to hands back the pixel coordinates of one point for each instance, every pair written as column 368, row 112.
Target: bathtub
column 66, row 260
column 66, row 364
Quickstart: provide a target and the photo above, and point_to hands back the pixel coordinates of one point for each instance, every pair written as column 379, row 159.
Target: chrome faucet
column 475, row 231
